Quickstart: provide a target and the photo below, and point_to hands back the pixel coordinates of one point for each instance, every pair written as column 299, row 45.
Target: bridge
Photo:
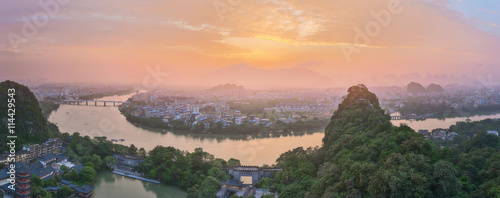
column 397, row 118
column 257, row 173
column 77, row 102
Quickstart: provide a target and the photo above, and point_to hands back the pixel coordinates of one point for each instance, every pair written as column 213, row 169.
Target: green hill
column 364, row 155
column 31, row 125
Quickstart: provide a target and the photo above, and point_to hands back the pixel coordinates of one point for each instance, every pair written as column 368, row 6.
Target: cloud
column 188, row 36
column 489, row 11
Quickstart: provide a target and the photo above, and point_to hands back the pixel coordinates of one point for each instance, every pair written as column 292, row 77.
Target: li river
column 250, row 150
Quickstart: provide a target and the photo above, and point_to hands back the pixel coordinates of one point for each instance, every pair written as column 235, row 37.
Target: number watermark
column 11, row 127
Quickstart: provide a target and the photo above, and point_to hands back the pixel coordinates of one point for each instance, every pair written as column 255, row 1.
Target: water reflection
column 250, row 149
column 111, row 185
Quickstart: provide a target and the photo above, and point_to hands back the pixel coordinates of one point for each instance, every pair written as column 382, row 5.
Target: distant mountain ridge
column 416, row 88
column 226, row 87
column 248, row 76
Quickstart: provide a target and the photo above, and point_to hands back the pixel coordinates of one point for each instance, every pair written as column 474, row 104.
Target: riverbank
column 245, row 128
column 447, row 113
column 106, row 94
column 48, row 107
column 433, row 123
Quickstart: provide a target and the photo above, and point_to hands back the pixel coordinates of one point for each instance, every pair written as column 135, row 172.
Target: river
column 429, row 124
column 250, row 150
column 110, row 185
column 108, row 121
column 257, row 150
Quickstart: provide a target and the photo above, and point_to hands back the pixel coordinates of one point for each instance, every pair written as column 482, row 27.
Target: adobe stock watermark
column 153, row 78
column 31, row 27
column 223, row 6
column 372, row 29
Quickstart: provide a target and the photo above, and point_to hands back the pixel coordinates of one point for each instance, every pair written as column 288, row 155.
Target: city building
column 492, row 132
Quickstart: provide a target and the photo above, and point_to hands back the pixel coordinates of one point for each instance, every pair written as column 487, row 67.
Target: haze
column 260, row 43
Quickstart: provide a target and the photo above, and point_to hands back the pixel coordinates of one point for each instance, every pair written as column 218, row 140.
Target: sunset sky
column 115, row 41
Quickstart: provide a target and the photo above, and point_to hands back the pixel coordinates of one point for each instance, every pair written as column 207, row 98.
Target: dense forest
column 199, row 172
column 363, row 155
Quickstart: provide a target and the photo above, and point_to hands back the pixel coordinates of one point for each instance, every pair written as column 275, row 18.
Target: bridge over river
column 77, row 102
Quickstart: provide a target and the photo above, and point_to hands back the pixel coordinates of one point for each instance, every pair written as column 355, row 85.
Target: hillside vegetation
column 364, row 155
column 31, row 124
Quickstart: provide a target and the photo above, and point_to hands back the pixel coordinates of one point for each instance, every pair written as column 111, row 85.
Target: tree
column 233, row 162
column 38, row 191
column 218, row 173
column 64, row 168
column 64, row 192
column 97, row 161
column 36, row 181
column 142, row 152
column 132, row 150
column 87, row 174
column 209, row 187
column 110, row 161
column 49, row 182
column 447, row 184
column 72, row 175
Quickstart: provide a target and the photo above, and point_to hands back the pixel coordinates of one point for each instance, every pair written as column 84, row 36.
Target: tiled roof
column 65, row 182
column 57, row 188
column 49, row 156
column 84, row 189
column 78, row 167
column 4, row 174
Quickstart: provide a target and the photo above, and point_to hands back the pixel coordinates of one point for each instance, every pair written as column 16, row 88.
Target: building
column 78, row 167
column 84, row 191
column 425, row 133
column 47, row 159
column 23, row 181
column 451, row 135
column 265, row 122
column 237, row 113
column 127, row 162
column 492, row 132
column 23, row 156
column 439, row 134
column 34, row 151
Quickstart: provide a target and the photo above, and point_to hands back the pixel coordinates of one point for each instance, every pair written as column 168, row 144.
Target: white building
column 492, row 132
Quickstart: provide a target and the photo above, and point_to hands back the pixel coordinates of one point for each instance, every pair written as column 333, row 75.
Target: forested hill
column 31, row 124
column 364, row 155
column 359, row 111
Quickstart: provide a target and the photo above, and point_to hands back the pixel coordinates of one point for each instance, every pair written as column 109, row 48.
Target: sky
column 368, row 41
